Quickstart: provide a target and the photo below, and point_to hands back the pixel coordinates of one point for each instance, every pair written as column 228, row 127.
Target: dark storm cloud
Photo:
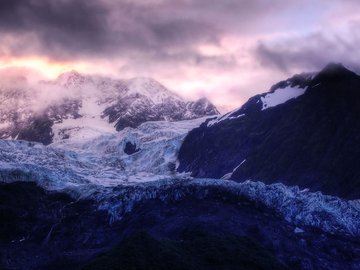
column 63, row 24
column 161, row 31
column 311, row 52
column 67, row 29
column 62, row 14
column 212, row 44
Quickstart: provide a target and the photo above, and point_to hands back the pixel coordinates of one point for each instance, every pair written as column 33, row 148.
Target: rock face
column 130, row 148
column 305, row 132
column 54, row 110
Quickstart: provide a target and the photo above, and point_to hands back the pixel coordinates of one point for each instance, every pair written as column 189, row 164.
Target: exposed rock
column 130, row 148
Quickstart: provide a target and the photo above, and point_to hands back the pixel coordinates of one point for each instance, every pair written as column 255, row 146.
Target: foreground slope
column 200, row 224
column 305, row 132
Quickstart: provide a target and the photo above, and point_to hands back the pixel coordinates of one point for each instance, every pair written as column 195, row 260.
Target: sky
column 226, row 50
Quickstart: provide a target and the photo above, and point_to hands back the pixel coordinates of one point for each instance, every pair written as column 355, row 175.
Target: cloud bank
column 225, row 49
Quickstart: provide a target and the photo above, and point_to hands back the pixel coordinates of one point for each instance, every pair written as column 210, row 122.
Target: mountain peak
column 72, row 77
column 143, row 80
column 70, row 74
column 336, row 71
column 334, row 67
column 151, row 88
column 206, row 103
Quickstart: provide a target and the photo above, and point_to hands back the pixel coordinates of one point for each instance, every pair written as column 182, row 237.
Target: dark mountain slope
column 312, row 141
column 221, row 232
column 50, row 230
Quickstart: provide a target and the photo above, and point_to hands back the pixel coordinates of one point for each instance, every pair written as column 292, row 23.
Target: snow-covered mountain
column 304, row 131
column 107, row 165
column 94, row 157
column 76, row 103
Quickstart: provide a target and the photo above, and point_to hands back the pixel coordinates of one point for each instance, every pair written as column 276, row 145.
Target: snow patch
column 298, row 230
column 152, row 89
column 228, row 175
column 5, row 125
column 224, row 117
column 237, row 167
column 280, row 96
column 89, row 125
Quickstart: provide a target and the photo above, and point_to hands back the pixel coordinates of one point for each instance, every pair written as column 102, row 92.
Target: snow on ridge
column 91, row 124
column 268, row 100
column 280, row 96
column 154, row 90
column 107, row 88
column 224, row 117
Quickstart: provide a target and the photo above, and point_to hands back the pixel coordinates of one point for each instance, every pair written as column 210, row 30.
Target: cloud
column 55, row 28
column 209, row 44
column 134, row 33
column 83, row 28
column 312, row 51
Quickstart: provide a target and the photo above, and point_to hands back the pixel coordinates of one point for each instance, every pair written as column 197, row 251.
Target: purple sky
column 227, row 50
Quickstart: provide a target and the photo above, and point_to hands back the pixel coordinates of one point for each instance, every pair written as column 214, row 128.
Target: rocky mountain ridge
column 304, row 132
column 98, row 104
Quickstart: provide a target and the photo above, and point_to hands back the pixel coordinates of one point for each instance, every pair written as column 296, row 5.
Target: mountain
column 305, row 131
column 76, row 103
column 98, row 198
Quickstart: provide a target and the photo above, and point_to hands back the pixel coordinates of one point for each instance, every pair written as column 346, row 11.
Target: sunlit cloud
column 228, row 50
column 49, row 69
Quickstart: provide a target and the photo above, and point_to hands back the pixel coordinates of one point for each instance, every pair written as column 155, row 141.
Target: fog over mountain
column 48, row 110
column 227, row 50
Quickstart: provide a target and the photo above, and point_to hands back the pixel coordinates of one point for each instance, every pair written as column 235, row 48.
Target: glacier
column 101, row 160
column 97, row 168
column 300, row 208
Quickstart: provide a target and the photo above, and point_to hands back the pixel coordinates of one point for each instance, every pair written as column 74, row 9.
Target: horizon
column 227, row 51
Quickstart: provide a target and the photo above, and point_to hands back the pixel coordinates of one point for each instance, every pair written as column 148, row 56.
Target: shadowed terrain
column 46, row 230
column 312, row 141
